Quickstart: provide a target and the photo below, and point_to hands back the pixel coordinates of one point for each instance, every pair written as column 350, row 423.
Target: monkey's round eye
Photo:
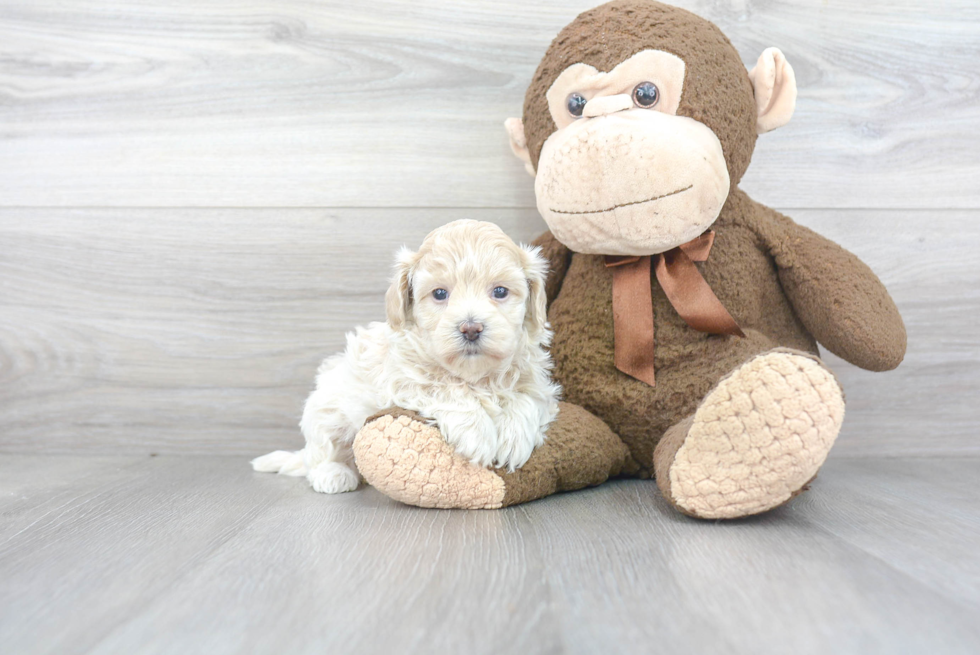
column 646, row 94
column 575, row 104
column 440, row 294
column 500, row 292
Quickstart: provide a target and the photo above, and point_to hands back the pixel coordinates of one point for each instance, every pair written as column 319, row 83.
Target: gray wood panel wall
column 198, row 199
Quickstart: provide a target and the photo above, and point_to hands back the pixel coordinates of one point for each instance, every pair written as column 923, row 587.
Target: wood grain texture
column 384, row 103
column 778, row 583
column 917, row 515
column 199, row 331
column 201, row 555
column 929, row 264
column 154, row 330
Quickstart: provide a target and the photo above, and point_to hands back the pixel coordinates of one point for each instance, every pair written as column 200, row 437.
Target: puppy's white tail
column 284, row 462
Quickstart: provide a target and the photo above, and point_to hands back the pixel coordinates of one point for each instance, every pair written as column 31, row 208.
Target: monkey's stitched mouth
column 626, row 204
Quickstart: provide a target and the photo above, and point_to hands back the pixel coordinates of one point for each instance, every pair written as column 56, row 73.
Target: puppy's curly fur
column 464, row 345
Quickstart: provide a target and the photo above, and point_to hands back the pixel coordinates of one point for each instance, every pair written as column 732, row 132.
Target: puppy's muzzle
column 471, row 330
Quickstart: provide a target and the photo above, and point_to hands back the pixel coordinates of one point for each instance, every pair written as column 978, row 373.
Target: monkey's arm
column 558, row 257
column 836, row 296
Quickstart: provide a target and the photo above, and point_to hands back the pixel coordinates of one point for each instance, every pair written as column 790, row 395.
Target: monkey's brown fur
column 717, row 91
column 786, row 286
column 760, row 260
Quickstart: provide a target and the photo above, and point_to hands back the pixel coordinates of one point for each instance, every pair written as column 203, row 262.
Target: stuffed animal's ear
column 515, row 130
column 398, row 299
column 536, row 312
column 775, row 90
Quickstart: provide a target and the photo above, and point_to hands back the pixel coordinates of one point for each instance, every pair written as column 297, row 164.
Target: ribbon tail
column 691, row 296
column 633, row 318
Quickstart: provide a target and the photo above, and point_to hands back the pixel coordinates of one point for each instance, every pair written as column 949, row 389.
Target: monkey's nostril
column 471, row 330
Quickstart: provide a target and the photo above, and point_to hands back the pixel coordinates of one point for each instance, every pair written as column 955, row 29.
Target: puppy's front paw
column 333, row 478
column 473, row 435
column 520, row 429
column 515, row 446
column 518, row 434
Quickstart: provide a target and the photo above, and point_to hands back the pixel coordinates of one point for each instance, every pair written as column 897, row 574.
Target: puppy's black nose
column 471, row 330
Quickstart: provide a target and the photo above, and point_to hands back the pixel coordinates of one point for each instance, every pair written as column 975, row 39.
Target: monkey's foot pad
column 756, row 439
column 405, row 458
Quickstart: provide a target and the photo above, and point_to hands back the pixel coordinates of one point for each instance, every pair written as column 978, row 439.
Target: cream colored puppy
column 464, row 346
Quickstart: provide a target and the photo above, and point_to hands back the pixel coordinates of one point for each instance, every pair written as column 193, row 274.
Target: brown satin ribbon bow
column 686, row 290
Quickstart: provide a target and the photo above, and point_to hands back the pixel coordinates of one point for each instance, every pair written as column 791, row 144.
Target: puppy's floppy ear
column 398, row 299
column 536, row 271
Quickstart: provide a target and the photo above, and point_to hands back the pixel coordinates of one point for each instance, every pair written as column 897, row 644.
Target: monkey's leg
column 755, row 441
column 403, row 457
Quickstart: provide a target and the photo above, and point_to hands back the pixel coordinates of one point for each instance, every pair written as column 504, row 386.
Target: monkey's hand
column 836, row 296
column 558, row 257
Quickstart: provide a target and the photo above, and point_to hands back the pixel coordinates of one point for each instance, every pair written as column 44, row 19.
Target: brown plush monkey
column 686, row 315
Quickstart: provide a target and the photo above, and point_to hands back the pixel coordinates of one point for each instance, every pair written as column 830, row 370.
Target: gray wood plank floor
column 201, row 555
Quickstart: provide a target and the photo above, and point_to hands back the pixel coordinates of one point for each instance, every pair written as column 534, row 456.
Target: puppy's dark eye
column 646, row 94
column 440, row 294
column 575, row 104
column 500, row 292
